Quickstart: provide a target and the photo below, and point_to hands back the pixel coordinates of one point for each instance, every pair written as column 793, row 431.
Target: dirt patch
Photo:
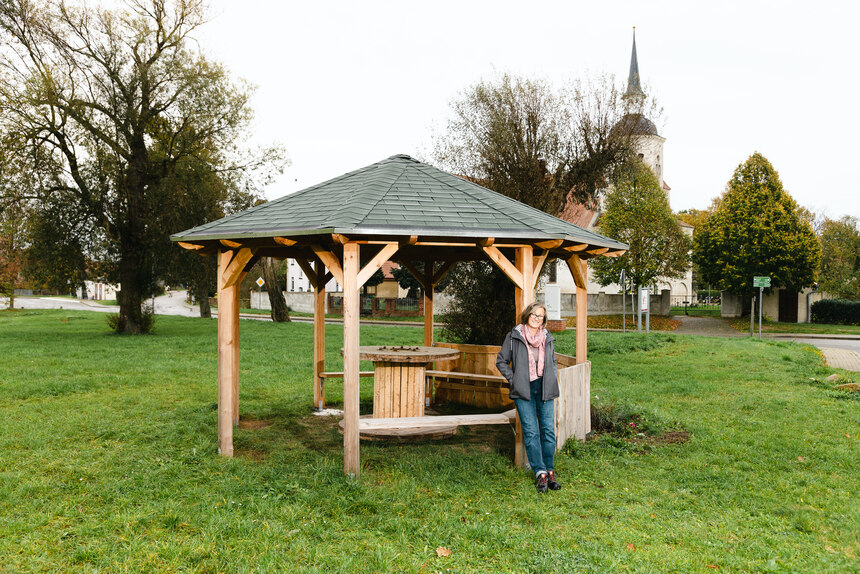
column 254, row 424
column 668, row 437
column 855, row 387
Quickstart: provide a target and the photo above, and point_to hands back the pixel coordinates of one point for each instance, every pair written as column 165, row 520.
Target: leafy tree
column 407, row 281
column 756, row 230
column 116, row 99
column 537, row 144
column 637, row 212
column 478, row 323
column 839, row 273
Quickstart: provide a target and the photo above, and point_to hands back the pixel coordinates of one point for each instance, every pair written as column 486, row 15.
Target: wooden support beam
column 440, row 273
column 319, row 334
column 502, row 262
column 284, row 241
column 413, row 239
column 309, row 271
column 330, row 260
column 525, row 294
column 234, row 272
column 228, row 353
column 578, row 247
column 374, row 264
column 427, row 284
column 577, row 270
column 339, row 238
column 191, row 246
column 486, row 242
column 351, row 462
column 581, row 308
column 597, row 251
column 549, row 244
column 618, row 253
column 419, row 276
column 230, row 244
column 539, row 261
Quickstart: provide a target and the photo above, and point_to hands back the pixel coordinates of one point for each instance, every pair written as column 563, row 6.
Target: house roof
column 395, row 197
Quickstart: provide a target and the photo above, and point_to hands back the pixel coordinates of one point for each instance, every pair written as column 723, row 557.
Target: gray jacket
column 515, row 353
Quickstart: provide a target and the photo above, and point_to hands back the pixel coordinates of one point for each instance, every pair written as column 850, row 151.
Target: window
column 552, row 276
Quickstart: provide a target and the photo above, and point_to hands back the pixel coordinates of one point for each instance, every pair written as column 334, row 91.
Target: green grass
column 743, row 324
column 107, row 463
column 697, row 311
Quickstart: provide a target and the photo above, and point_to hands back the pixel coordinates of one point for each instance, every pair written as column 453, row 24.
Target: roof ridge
column 514, row 203
column 382, row 195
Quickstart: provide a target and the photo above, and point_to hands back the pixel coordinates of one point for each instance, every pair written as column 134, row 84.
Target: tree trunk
column 205, row 309
column 134, row 268
column 280, row 312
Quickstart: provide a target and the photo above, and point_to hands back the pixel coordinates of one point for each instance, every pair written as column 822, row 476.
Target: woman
column 527, row 361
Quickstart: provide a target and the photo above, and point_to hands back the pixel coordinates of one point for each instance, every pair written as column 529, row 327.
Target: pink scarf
column 536, row 341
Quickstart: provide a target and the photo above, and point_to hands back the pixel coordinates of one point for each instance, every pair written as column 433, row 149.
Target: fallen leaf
column 464, row 520
column 848, row 435
column 712, row 566
column 443, row 552
column 800, row 458
column 630, row 546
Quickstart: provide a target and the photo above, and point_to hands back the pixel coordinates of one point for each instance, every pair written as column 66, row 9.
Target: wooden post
column 428, row 302
column 319, row 334
column 579, row 270
column 227, row 317
column 351, row 463
column 524, row 296
column 234, row 313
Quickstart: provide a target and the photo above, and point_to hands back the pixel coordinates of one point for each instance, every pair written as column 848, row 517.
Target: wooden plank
column 230, row 244
column 330, row 260
column 319, row 331
column 339, row 374
column 234, row 313
column 378, row 389
column 376, row 262
column 486, row 242
column 428, row 317
column 415, row 273
column 284, row 241
column 431, row 422
column 235, row 271
column 465, row 376
column 351, row 395
column 618, row 253
column 598, row 251
column 502, row 262
column 525, row 292
column 340, row 238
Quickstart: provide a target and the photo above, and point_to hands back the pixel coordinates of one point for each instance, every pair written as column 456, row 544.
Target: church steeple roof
column 634, row 89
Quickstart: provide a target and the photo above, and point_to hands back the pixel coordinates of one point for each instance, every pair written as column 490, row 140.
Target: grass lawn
column 743, row 324
column 108, row 464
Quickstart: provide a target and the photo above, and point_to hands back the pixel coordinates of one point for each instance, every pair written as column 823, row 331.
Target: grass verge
column 107, row 462
column 743, row 324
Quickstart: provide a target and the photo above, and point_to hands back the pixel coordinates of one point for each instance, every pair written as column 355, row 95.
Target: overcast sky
column 345, row 84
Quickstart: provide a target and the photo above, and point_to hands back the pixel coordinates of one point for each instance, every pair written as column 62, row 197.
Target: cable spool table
column 399, row 377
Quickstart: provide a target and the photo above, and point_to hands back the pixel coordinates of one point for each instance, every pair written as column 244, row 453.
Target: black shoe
column 540, row 483
column 551, row 482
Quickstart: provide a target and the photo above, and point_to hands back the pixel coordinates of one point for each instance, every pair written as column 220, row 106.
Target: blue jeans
column 538, row 422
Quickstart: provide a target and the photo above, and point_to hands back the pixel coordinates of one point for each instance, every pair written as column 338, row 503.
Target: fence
column 381, row 306
column 700, row 302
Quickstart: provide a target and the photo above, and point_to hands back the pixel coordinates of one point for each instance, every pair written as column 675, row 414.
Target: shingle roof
column 398, row 195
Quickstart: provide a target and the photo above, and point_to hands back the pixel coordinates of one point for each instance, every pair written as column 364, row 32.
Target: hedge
column 836, row 312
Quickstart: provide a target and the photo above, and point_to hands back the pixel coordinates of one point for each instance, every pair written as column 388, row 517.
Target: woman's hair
column 524, row 318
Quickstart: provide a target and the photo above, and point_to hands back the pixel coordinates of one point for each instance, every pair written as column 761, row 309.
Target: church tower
column 648, row 143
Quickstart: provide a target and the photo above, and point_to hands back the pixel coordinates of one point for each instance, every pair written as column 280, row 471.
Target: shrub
column 836, row 312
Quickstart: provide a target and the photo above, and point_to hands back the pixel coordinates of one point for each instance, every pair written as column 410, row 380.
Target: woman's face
column 536, row 317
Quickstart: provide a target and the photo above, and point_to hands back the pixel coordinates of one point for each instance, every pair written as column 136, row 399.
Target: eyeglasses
column 536, row 316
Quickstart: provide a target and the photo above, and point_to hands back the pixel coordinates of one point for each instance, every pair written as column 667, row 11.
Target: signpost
column 623, row 303
column 644, row 300
column 761, row 283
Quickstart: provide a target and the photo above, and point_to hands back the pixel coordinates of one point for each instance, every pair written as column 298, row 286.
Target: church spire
column 634, row 89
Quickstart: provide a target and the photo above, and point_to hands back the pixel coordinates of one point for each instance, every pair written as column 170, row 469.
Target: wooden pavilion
column 398, row 209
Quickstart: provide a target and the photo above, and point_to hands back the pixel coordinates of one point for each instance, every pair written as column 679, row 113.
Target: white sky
column 345, row 84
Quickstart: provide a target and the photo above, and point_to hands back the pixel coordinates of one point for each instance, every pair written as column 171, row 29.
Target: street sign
column 761, row 281
column 260, row 282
